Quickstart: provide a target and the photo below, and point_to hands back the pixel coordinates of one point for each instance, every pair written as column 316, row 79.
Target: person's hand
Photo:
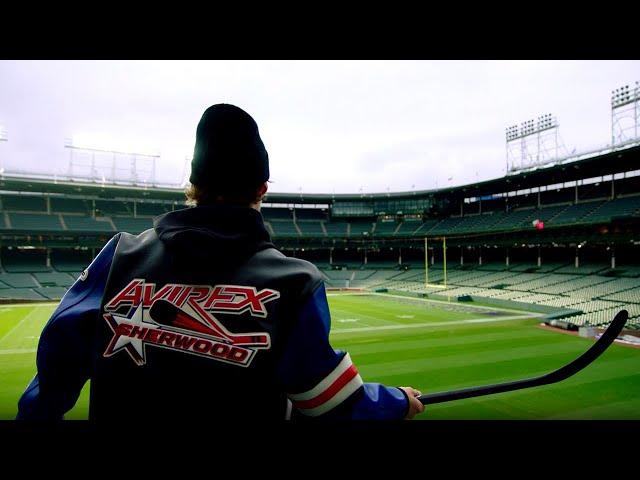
column 415, row 406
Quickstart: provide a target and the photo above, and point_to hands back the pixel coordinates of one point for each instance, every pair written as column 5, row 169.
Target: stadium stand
column 54, row 279
column 152, row 209
column 65, row 223
column 24, row 260
column 310, row 228
column 22, row 294
column 113, row 207
column 70, row 205
column 284, row 228
column 18, row 280
column 386, row 228
column 88, row 224
column 23, row 203
column 34, row 222
column 337, row 228
column 408, row 227
column 620, row 207
column 70, row 260
column 360, row 228
column 52, row 293
column 574, row 213
column 132, row 225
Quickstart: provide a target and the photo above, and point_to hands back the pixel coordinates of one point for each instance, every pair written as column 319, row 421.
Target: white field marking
column 18, row 350
column 405, row 316
column 387, row 320
column 26, row 317
column 346, row 320
column 347, row 294
column 43, row 304
column 522, row 312
column 436, row 324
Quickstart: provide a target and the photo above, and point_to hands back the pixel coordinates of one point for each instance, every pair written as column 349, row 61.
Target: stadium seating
column 515, row 219
column 486, row 221
column 445, row 226
column 597, row 297
column 54, row 279
column 583, row 268
column 152, row 209
column 476, row 222
column 361, row 228
column 23, row 203
column 35, row 222
column 426, row 227
column 70, row 260
column 312, row 214
column 29, row 213
column 407, row 227
column 271, row 214
column 24, row 260
column 18, row 280
column 113, row 207
column 22, row 294
column 620, row 207
column 52, row 293
column 388, row 228
column 309, row 228
column 132, row 225
column 70, row 205
column 284, row 228
column 74, row 230
column 87, row 224
column 575, row 213
column 337, row 228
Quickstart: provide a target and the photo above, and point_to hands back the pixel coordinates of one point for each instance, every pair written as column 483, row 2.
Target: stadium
column 442, row 288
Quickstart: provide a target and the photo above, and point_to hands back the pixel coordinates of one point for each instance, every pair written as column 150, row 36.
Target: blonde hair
column 198, row 195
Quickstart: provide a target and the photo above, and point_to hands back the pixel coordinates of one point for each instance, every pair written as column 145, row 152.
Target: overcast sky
column 329, row 126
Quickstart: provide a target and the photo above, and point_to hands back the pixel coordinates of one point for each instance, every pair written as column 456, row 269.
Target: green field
column 431, row 346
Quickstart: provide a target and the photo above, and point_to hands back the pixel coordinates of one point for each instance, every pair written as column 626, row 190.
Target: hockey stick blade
column 607, row 338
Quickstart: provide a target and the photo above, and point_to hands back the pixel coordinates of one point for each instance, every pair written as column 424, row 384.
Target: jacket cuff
column 406, row 397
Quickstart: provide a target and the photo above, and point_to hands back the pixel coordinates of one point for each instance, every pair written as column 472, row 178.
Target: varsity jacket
column 199, row 317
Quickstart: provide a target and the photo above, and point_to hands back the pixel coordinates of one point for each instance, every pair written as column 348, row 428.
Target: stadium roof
column 598, row 164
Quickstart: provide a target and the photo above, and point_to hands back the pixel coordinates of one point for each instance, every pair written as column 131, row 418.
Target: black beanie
column 229, row 156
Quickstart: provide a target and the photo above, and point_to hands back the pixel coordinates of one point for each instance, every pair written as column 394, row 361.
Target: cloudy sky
column 329, row 126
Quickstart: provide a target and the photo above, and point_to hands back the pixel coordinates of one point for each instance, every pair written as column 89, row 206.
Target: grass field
column 432, row 346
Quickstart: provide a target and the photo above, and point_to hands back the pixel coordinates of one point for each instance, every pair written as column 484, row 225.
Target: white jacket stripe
column 353, row 385
column 344, row 364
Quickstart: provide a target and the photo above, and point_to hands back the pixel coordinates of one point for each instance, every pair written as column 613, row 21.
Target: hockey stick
column 166, row 313
column 609, row 335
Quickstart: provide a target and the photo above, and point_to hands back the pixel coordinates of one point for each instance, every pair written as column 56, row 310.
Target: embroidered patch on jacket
column 181, row 318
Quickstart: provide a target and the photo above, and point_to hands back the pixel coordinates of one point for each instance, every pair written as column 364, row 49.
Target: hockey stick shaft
column 607, row 338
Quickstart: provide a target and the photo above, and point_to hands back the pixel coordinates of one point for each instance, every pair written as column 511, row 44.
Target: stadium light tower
column 533, row 143
column 99, row 164
column 3, row 138
column 625, row 114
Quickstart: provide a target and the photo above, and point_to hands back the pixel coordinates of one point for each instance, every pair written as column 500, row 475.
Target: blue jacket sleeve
column 64, row 350
column 323, row 382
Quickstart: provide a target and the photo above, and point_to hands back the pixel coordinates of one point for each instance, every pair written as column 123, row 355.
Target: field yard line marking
column 43, row 304
column 435, row 324
column 349, row 314
column 455, row 303
column 26, row 317
column 377, row 319
column 18, row 350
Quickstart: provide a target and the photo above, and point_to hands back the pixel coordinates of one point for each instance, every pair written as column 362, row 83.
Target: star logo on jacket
column 173, row 320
